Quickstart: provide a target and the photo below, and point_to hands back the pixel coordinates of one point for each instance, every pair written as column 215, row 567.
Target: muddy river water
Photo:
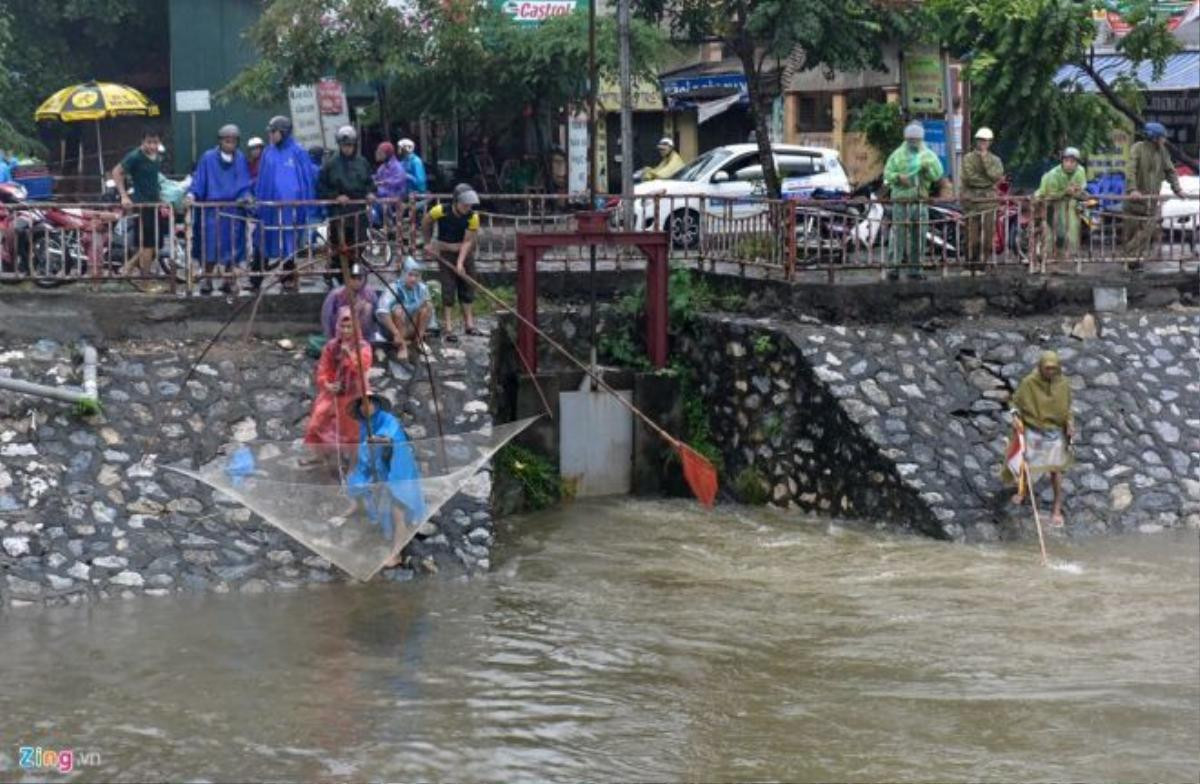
column 625, row 640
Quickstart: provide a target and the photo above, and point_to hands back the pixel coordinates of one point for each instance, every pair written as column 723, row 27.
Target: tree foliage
column 772, row 38
column 68, row 41
column 1015, row 48
column 433, row 58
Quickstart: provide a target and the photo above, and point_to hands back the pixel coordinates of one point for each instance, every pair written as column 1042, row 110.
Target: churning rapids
column 644, row 640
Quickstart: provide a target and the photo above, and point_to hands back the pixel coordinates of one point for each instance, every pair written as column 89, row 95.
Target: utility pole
column 626, row 77
column 592, row 172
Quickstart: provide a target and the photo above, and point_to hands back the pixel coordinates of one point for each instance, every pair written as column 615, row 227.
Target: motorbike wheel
column 684, row 226
column 54, row 261
column 378, row 250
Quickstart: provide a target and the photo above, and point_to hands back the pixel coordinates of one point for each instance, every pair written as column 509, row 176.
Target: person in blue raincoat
column 219, row 234
column 385, row 482
column 284, row 175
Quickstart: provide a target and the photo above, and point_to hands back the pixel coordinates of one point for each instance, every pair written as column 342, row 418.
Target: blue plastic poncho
column 220, row 235
column 389, row 466
column 285, row 174
column 414, row 167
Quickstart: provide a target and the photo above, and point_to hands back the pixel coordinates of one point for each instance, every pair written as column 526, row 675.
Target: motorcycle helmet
column 1155, row 130
column 914, row 131
column 346, row 135
column 406, row 145
column 281, row 124
column 255, row 141
column 985, row 133
column 1072, row 152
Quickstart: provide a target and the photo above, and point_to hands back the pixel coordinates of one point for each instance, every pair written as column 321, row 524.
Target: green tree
column 1015, row 48
column 772, row 38
column 433, row 58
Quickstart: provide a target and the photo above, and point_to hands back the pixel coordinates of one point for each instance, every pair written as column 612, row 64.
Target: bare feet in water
column 1056, row 520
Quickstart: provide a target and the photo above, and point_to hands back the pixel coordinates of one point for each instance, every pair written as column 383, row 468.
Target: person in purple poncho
column 285, row 175
column 222, row 175
column 391, row 184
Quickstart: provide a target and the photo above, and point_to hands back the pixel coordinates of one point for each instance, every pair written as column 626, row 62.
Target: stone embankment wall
column 908, row 425
column 85, row 510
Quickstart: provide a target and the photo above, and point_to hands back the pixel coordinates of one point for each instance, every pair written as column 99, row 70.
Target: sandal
column 473, row 332
column 450, row 337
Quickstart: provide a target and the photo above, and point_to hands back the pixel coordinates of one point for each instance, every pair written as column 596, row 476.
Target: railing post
column 656, row 303
column 790, row 261
column 527, row 302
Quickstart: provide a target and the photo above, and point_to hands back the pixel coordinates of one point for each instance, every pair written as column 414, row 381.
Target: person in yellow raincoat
column 911, row 172
column 669, row 163
column 1042, row 406
column 1060, row 191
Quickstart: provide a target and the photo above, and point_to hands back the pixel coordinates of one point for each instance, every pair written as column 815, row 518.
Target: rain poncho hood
column 390, row 463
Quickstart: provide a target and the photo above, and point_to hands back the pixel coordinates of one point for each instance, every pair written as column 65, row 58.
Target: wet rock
column 1121, row 497
column 128, row 578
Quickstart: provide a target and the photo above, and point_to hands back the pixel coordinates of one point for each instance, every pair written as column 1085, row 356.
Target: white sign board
column 309, row 126
column 306, row 120
column 577, row 153
column 192, row 101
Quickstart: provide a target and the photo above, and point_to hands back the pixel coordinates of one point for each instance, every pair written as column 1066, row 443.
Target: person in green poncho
column 911, row 172
column 1149, row 165
column 1060, row 189
column 1042, row 405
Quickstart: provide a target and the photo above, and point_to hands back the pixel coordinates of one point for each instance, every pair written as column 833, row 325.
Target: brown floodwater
column 624, row 639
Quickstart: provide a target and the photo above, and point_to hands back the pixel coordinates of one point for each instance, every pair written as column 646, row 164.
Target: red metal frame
column 654, row 245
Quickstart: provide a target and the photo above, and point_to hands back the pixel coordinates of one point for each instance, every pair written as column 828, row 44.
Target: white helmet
column 914, row 130
column 1072, row 152
column 407, row 145
column 666, row 141
column 985, row 133
column 254, row 142
column 346, row 135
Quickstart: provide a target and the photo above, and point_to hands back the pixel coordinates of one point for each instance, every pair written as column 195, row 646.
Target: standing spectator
column 284, row 175
column 391, row 182
column 1062, row 187
column 910, row 174
column 346, row 178
column 254, row 151
column 357, row 296
column 1149, row 164
column 6, row 167
column 413, row 166
column 454, row 254
column 142, row 166
column 981, row 173
column 405, row 311
column 222, row 175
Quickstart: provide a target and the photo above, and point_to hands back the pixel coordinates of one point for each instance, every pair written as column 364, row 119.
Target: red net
column 700, row 474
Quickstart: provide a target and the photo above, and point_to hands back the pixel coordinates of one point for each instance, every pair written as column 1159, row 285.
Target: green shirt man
column 142, row 171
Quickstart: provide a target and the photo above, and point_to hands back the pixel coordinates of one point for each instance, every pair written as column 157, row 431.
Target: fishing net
column 356, row 505
column 700, row 474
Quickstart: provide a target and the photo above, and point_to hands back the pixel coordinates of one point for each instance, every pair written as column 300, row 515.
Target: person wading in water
column 1042, row 404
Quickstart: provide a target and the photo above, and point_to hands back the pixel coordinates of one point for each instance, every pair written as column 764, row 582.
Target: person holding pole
column 453, row 253
column 1042, row 414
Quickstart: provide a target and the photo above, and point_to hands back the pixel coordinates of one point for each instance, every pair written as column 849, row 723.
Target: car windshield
column 693, row 170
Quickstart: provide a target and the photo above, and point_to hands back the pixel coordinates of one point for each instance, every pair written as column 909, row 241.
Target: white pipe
column 89, row 394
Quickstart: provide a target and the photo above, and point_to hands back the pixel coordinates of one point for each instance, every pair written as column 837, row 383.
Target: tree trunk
column 1111, row 96
column 759, row 111
column 384, row 118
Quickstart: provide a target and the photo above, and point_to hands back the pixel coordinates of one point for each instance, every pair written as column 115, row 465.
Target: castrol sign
column 537, row 11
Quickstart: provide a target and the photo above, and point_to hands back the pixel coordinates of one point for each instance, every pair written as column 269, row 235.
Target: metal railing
column 240, row 243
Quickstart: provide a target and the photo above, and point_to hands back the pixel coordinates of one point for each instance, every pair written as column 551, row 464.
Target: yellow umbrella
column 95, row 101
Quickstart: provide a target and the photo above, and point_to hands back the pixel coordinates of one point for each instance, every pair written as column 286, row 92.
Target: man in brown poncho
column 1149, row 165
column 1042, row 404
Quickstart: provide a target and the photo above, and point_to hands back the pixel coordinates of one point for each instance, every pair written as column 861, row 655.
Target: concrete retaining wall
column 916, row 417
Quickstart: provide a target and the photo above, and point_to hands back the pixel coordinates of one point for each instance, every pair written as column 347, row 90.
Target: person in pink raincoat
column 338, row 383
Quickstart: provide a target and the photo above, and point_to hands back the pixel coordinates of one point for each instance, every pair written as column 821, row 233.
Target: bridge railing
column 795, row 239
